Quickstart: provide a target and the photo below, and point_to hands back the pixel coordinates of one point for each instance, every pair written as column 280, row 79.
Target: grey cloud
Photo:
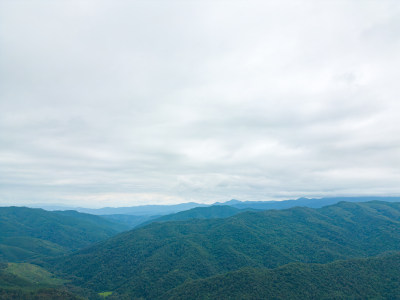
column 110, row 103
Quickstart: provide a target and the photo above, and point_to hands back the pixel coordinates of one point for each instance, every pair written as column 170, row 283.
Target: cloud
column 125, row 103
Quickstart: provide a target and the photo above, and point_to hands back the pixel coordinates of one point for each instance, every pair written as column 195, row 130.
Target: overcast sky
column 121, row 103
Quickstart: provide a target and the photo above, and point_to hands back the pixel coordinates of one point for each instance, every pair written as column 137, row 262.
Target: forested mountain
column 209, row 212
column 160, row 210
column 100, row 221
column 371, row 278
column 142, row 210
column 129, row 221
column 305, row 202
column 151, row 261
column 27, row 233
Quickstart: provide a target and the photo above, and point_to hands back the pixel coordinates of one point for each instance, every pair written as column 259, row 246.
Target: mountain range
column 158, row 210
column 151, row 261
column 349, row 249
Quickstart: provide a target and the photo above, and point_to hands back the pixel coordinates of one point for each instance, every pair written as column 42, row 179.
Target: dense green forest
column 372, row 278
column 153, row 260
column 27, row 233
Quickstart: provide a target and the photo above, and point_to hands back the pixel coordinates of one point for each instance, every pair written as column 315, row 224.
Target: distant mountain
column 305, row 202
column 232, row 207
column 51, row 207
column 372, row 278
column 148, row 210
column 27, row 233
column 209, row 212
column 232, row 202
column 151, row 261
column 158, row 210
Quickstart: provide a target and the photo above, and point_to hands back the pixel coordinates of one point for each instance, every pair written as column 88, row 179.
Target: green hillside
column 27, row 233
column 372, row 278
column 33, row 274
column 150, row 261
column 27, row 281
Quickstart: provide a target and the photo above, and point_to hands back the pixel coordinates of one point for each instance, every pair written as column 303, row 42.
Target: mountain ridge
column 146, row 210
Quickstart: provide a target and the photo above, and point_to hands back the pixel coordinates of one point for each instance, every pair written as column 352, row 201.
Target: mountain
column 209, row 212
column 150, row 211
column 151, row 261
column 98, row 220
column 144, row 210
column 306, row 202
column 129, row 221
column 27, row 233
column 233, row 202
column 372, row 278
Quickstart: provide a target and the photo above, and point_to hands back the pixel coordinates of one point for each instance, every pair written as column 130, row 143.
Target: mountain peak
column 230, row 202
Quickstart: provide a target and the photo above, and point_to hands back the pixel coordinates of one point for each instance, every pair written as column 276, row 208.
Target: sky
column 123, row 103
